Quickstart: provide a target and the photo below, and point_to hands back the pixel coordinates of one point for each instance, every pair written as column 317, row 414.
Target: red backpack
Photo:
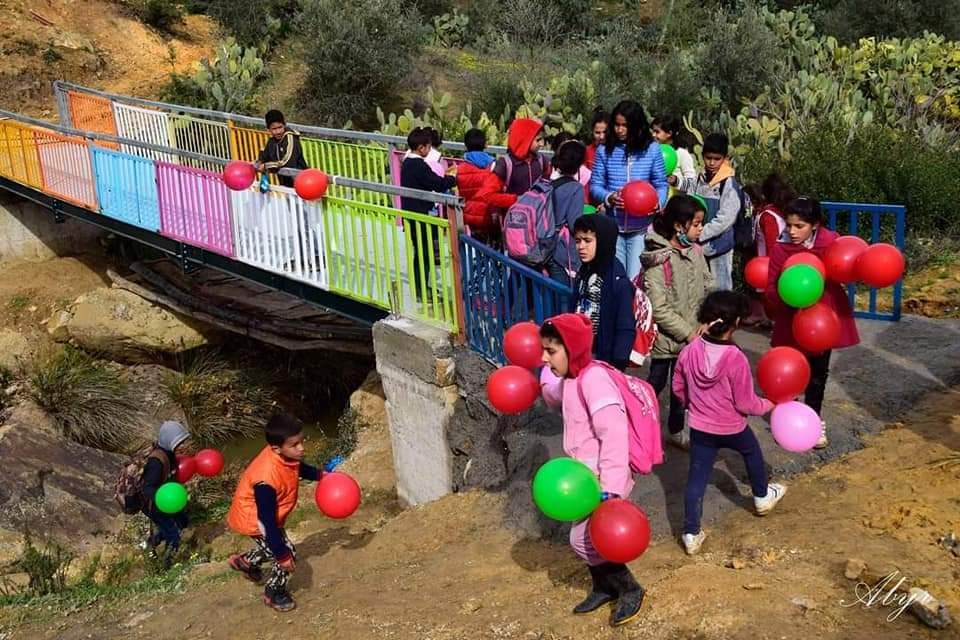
column 647, row 330
column 643, row 416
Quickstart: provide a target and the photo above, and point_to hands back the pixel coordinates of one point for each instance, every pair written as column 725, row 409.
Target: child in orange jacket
column 266, row 494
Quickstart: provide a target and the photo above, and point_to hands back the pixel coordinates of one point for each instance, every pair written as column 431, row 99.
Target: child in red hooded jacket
column 523, row 164
column 805, row 232
column 595, row 432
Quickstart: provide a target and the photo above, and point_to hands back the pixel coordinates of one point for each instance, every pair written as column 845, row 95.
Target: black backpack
column 743, row 232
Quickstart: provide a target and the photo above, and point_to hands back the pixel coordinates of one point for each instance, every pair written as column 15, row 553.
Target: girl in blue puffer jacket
column 630, row 154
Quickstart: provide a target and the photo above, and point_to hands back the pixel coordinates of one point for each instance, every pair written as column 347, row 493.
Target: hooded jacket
column 713, row 381
column 161, row 465
column 616, row 328
column 675, row 293
column 723, row 205
column 834, row 294
column 595, row 426
column 614, row 170
column 526, row 168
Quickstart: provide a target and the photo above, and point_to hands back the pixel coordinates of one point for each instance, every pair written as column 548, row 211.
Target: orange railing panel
column 93, row 113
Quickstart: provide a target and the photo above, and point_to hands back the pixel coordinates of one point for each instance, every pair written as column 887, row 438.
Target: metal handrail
column 367, row 136
column 429, row 196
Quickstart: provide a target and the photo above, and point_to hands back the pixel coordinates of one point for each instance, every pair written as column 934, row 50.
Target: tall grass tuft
column 89, row 403
column 219, row 402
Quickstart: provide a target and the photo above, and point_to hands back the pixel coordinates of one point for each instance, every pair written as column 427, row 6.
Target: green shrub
column 88, row 401
column 219, row 403
column 255, row 23
column 226, row 83
column 356, row 54
column 46, row 566
column 850, row 20
column 160, row 14
column 877, row 165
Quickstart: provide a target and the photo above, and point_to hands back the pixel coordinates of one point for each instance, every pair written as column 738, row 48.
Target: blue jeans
column 661, row 375
column 703, row 453
column 629, row 248
column 722, row 269
column 167, row 529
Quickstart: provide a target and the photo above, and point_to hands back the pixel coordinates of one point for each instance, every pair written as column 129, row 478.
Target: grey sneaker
column 822, row 442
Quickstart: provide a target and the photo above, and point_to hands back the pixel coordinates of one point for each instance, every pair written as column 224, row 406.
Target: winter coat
column 526, row 169
column 723, row 205
column 283, row 153
column 567, row 199
column 713, row 381
column 612, row 171
column 470, row 185
column 834, row 294
column 675, row 306
column 616, row 329
column 415, row 173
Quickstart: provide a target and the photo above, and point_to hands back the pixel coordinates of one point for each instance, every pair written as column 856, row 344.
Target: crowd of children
column 680, row 258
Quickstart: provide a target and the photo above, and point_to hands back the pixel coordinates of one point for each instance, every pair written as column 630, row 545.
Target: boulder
column 124, row 326
column 369, row 402
column 14, row 349
column 52, row 487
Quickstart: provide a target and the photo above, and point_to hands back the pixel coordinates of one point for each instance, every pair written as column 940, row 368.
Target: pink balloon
column 795, row 426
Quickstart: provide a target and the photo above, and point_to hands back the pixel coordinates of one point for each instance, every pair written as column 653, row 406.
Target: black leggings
column 819, row 370
column 661, row 375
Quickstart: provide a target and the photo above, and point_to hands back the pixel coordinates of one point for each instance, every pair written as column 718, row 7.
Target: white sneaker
column 822, row 442
column 693, row 541
column 680, row 440
column 766, row 504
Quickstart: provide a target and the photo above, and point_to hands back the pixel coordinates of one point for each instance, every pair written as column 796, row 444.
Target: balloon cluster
column 816, row 326
column 567, row 490
column 172, row 497
column 513, row 389
column 310, row 184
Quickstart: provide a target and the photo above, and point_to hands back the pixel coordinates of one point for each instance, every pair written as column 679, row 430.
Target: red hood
column 522, row 133
column 577, row 333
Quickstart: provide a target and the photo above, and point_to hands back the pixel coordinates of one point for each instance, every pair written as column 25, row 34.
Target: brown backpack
column 129, row 488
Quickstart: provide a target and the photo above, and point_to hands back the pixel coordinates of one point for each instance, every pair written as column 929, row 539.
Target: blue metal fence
column 499, row 292
column 127, row 188
column 873, row 223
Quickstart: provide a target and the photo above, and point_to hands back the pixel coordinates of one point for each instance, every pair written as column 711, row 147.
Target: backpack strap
column 161, row 455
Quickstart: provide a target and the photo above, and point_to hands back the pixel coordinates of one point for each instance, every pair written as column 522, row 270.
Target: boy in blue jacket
column 602, row 291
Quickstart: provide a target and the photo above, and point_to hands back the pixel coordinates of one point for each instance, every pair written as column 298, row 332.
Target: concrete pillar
column 416, row 364
column 29, row 232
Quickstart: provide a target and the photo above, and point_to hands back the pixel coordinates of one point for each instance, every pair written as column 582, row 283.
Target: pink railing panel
column 195, row 207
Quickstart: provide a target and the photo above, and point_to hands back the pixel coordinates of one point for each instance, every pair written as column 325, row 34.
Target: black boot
column 630, row 595
column 602, row 591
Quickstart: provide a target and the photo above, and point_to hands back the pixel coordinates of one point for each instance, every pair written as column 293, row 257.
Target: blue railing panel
column 499, row 292
column 873, row 223
column 127, row 188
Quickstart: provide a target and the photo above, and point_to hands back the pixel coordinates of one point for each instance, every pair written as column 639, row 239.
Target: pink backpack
column 643, row 416
column 529, row 228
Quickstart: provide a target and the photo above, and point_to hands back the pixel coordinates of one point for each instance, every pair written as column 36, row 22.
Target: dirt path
column 447, row 570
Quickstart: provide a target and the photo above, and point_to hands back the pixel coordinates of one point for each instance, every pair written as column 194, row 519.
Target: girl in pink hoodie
column 713, row 380
column 595, row 432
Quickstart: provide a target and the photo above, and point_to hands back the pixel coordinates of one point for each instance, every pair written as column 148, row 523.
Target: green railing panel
column 349, row 161
column 391, row 259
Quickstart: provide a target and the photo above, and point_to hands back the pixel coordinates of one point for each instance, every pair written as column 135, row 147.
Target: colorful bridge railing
column 361, row 251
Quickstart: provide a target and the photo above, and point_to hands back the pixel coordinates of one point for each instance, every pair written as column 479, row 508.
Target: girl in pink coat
column 713, row 381
column 595, row 432
column 805, row 233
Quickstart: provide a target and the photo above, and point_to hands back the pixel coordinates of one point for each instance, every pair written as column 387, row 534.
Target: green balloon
column 800, row 286
column 171, row 497
column 589, row 209
column 566, row 489
column 669, row 158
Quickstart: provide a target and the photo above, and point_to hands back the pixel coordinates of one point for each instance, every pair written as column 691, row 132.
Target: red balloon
column 783, row 374
column 186, row 468
column 619, row 530
column 806, row 257
column 521, row 345
column 757, row 271
column 209, row 462
column 816, row 328
column 337, row 495
column 512, row 389
column 840, row 258
column 239, row 175
column 310, row 184
column 881, row 265
column 639, row 198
